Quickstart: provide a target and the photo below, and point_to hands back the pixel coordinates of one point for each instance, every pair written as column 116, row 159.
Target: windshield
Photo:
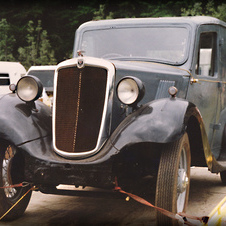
column 161, row 44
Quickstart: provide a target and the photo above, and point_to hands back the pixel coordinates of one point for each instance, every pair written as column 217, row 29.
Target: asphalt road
column 49, row 210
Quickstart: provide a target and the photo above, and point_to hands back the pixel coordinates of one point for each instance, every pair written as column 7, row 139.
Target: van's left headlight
column 29, row 88
column 130, row 90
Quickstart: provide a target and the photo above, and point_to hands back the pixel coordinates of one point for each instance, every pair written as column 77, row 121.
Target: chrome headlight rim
column 29, row 88
column 136, row 90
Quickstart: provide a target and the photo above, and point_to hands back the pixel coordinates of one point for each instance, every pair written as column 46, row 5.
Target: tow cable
column 23, row 184
column 181, row 217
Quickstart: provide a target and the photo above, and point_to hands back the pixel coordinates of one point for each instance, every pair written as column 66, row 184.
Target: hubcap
column 182, row 181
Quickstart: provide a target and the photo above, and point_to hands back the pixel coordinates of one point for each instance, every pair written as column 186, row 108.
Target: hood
column 150, row 67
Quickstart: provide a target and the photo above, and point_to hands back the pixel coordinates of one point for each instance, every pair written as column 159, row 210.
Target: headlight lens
column 130, row 90
column 29, row 88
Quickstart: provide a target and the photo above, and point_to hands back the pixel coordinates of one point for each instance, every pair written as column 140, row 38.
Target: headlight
column 29, row 88
column 130, row 90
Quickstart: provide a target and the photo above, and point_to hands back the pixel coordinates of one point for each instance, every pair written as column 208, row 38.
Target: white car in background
column 46, row 76
column 10, row 73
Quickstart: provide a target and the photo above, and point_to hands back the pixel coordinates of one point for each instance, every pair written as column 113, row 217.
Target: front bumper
column 41, row 172
column 44, row 167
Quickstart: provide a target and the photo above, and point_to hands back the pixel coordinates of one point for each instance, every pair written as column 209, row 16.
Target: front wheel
column 11, row 172
column 172, row 188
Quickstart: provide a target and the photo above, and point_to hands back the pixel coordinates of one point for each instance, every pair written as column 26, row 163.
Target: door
column 206, row 93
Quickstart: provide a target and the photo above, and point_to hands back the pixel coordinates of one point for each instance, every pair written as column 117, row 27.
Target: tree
column 208, row 9
column 221, row 12
column 62, row 20
column 6, row 42
column 46, row 54
column 38, row 50
column 194, row 10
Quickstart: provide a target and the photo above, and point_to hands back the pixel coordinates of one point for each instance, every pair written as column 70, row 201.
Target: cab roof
column 195, row 20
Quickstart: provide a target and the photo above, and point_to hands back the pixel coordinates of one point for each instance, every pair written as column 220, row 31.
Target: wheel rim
column 183, row 181
column 6, row 172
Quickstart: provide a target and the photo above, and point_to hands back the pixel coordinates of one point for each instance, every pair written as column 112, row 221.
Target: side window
column 4, row 79
column 206, row 56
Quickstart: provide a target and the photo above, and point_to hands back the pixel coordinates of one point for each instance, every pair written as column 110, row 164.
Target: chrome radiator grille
column 80, row 97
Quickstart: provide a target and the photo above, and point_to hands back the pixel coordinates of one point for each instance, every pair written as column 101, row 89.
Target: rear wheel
column 172, row 188
column 11, row 172
column 222, row 156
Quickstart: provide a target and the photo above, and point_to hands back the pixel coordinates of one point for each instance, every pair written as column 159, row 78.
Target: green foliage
column 150, row 10
column 194, row 10
column 221, row 12
column 38, row 50
column 33, row 45
column 208, row 9
column 101, row 14
column 123, row 9
column 6, row 42
column 46, row 54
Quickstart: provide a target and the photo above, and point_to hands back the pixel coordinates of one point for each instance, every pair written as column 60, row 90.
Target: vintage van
column 146, row 99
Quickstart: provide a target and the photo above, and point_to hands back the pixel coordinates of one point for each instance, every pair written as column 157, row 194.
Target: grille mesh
column 80, row 99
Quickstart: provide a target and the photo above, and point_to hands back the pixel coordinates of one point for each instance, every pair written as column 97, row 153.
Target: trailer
column 10, row 72
column 218, row 214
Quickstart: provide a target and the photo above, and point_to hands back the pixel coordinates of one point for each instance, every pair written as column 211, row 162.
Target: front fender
column 160, row 121
column 19, row 123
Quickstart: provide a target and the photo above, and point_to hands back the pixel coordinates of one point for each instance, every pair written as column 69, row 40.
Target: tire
column 173, row 180
column 11, row 172
column 223, row 177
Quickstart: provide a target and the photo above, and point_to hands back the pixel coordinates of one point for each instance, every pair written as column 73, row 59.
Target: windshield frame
column 79, row 39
